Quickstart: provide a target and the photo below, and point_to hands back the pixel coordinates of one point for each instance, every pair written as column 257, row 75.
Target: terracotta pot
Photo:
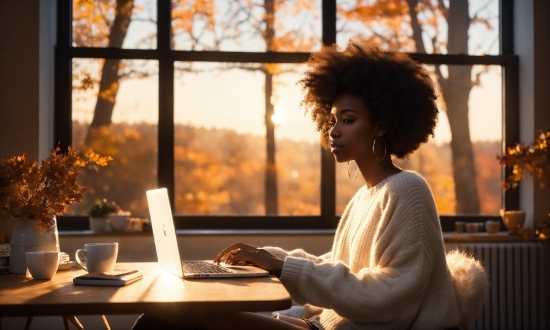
column 513, row 220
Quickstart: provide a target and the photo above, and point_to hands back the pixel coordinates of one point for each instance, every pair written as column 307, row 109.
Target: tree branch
column 444, row 10
column 415, row 25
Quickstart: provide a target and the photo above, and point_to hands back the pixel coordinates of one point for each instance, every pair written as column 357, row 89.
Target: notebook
column 118, row 277
column 166, row 244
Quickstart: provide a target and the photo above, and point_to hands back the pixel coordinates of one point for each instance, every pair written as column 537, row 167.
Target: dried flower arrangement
column 28, row 191
column 532, row 157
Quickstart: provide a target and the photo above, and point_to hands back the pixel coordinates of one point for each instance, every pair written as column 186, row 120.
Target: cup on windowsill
column 119, row 222
column 492, row 226
column 459, row 227
column 472, row 227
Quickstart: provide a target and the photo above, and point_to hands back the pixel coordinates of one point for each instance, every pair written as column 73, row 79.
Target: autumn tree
column 416, row 25
column 456, row 93
column 201, row 25
column 247, row 20
column 110, row 21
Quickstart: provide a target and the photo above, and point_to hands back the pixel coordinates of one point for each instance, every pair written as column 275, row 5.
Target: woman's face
column 353, row 132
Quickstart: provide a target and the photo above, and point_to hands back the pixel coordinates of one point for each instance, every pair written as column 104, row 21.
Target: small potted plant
column 99, row 214
column 534, row 159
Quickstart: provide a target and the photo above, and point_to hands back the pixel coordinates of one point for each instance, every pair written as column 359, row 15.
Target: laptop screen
column 164, row 232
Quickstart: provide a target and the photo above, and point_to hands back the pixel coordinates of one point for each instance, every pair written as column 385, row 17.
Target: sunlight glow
column 277, row 118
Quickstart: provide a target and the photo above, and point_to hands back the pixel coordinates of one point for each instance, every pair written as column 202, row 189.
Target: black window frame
column 166, row 57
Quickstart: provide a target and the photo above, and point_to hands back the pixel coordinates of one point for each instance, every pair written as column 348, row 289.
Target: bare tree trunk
column 456, row 93
column 271, row 199
column 417, row 29
column 108, row 86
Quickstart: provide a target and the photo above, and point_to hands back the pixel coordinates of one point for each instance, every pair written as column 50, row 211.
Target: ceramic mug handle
column 80, row 263
column 52, row 223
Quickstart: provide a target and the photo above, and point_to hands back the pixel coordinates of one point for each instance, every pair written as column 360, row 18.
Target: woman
column 387, row 268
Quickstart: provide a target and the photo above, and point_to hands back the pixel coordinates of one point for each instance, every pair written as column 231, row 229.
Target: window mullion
column 329, row 22
column 165, row 133
column 506, row 27
column 510, row 124
column 63, row 71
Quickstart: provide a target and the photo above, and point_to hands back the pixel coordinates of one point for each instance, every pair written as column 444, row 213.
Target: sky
column 235, row 99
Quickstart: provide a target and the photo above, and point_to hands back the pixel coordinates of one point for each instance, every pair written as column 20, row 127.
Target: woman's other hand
column 240, row 252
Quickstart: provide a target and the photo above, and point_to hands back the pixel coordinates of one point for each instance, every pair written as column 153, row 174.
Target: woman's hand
column 240, row 252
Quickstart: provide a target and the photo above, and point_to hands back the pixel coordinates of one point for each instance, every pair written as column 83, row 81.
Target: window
column 201, row 98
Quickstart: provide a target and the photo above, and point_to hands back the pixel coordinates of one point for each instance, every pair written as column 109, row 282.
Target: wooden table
column 157, row 292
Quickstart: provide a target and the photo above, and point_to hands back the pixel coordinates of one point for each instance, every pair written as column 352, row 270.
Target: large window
column 201, row 98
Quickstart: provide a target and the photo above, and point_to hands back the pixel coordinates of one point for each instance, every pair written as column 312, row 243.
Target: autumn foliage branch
column 29, row 191
column 531, row 158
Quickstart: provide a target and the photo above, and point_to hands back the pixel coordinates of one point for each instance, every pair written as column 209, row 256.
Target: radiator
column 519, row 279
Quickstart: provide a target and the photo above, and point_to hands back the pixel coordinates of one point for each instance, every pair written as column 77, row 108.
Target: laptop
column 166, row 244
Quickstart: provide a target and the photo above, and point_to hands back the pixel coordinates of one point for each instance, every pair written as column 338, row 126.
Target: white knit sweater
column 387, row 267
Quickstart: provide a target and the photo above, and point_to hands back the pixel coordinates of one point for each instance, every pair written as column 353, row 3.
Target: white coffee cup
column 100, row 257
column 42, row 264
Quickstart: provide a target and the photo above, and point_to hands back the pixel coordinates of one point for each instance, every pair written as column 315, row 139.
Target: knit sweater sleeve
column 387, row 283
column 298, row 253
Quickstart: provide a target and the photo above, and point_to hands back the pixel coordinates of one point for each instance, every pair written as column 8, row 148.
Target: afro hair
column 397, row 91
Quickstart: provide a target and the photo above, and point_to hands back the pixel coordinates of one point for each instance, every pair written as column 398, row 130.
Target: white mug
column 100, row 257
column 42, row 264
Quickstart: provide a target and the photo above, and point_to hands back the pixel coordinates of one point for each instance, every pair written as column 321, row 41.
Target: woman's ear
column 381, row 128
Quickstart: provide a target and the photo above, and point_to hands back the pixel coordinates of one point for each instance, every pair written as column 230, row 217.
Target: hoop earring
column 373, row 143
column 349, row 175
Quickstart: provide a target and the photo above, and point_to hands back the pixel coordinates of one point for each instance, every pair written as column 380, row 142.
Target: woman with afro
column 387, row 268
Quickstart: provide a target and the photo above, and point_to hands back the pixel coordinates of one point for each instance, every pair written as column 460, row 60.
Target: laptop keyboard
column 199, row 267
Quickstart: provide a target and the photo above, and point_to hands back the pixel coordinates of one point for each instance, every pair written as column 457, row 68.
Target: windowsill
column 209, row 232
column 448, row 237
column 500, row 237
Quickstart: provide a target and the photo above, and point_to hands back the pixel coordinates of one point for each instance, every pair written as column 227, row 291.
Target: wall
column 27, row 38
column 542, row 97
column 18, row 78
column 532, row 45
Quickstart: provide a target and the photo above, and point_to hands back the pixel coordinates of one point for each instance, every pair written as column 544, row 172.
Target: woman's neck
column 374, row 173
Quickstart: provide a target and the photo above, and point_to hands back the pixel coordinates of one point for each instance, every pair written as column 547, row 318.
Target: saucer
column 66, row 265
